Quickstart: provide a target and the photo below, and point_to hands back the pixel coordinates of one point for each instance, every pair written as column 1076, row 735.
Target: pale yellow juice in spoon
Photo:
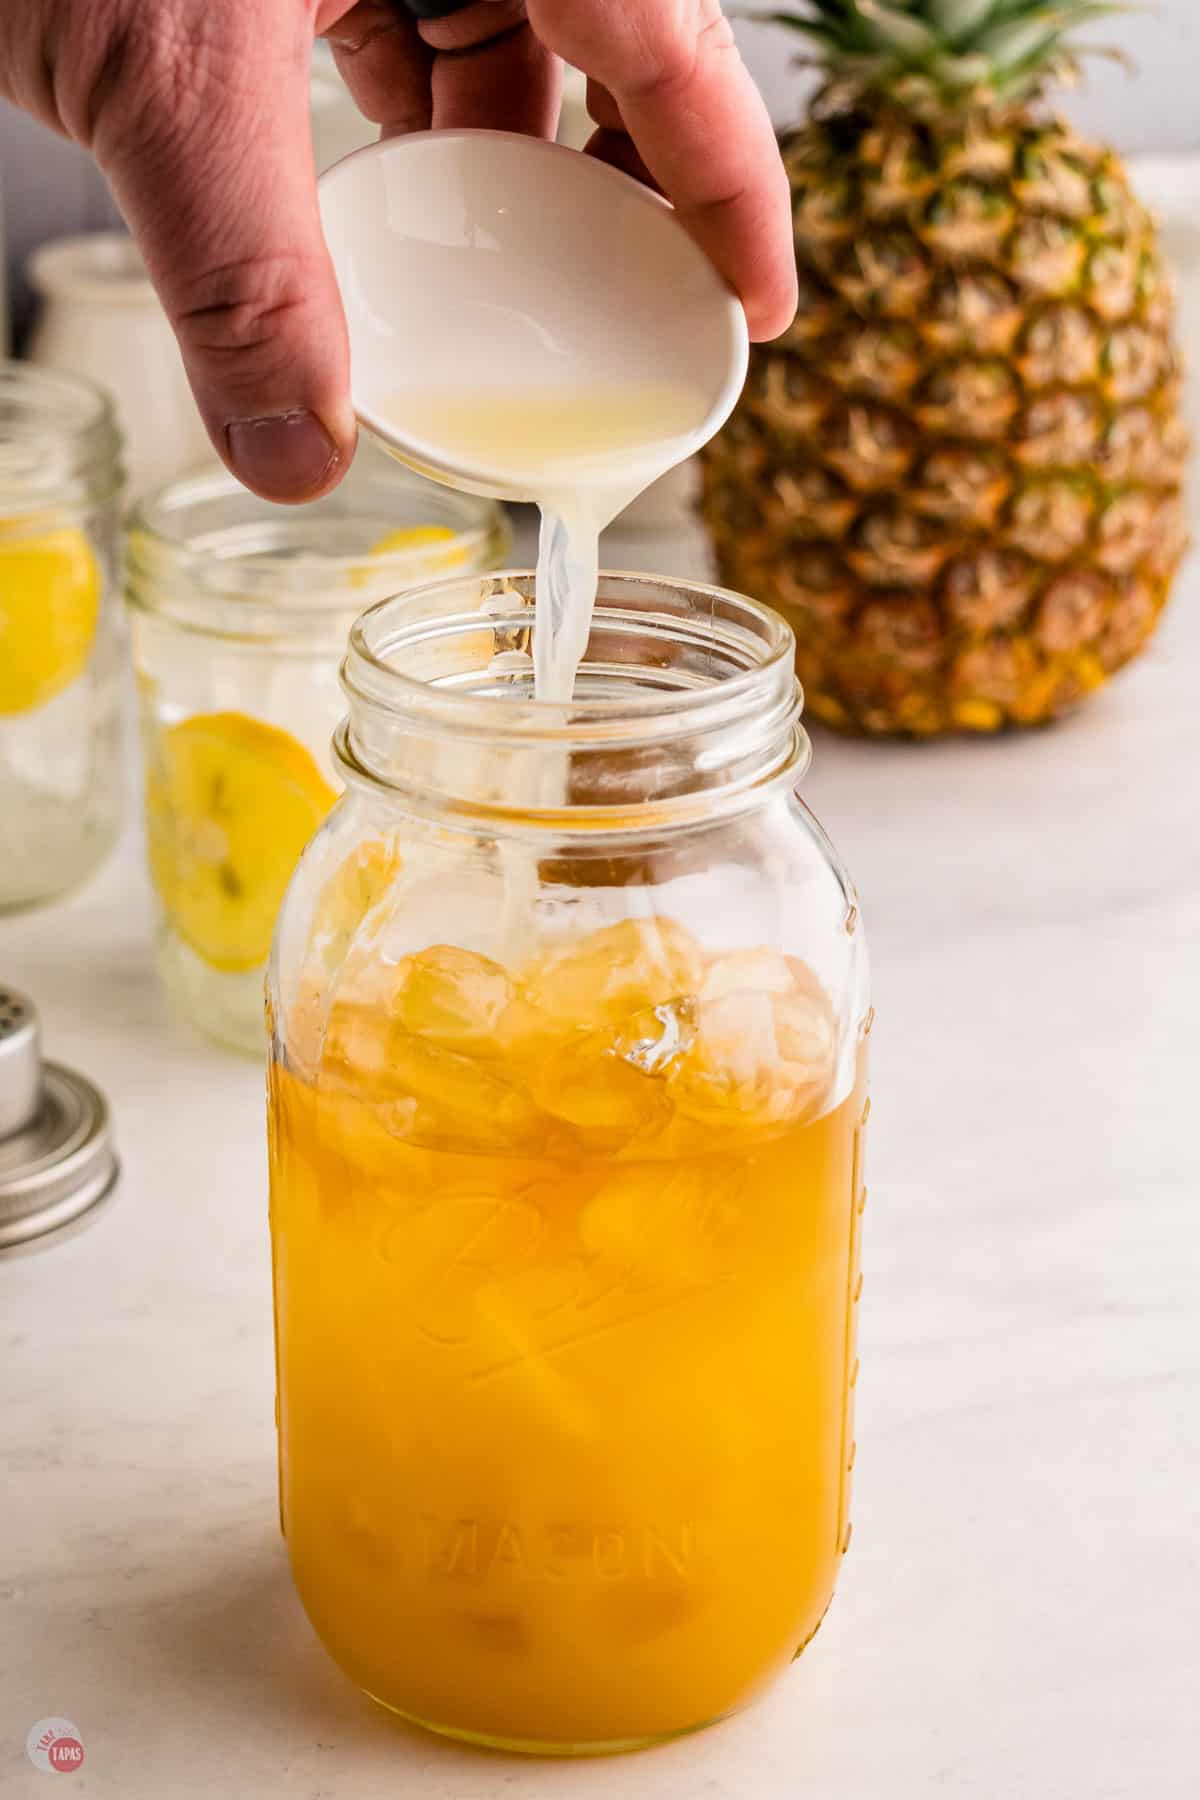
column 528, row 432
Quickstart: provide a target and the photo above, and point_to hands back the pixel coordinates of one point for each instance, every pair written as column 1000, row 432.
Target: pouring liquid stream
column 582, row 454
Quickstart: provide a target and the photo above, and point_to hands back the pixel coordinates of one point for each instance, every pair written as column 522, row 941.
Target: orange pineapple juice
column 565, row 1271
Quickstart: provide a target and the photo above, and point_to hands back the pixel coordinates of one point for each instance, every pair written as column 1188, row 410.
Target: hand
column 198, row 112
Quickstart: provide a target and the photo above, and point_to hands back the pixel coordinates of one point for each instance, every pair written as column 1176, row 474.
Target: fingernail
column 287, row 456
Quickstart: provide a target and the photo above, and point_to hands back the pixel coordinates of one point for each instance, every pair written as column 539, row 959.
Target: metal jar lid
column 57, row 1160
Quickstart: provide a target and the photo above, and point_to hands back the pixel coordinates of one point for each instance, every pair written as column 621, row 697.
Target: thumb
column 207, row 143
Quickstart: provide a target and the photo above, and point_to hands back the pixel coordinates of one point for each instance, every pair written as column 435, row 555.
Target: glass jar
column 60, row 634
column 567, row 1092
column 240, row 611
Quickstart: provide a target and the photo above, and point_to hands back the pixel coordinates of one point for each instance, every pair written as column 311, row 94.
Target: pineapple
column 959, row 475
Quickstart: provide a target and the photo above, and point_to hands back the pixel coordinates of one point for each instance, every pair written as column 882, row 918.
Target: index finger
column 700, row 127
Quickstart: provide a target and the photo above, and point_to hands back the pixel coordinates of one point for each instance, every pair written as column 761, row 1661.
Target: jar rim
column 208, row 554
column 34, row 380
column 694, row 713
column 61, row 446
column 367, row 674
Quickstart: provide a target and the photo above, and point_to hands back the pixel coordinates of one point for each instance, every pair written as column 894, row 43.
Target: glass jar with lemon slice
column 60, row 749
column 240, row 612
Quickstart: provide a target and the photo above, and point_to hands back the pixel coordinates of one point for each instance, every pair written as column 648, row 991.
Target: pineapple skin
column 960, row 474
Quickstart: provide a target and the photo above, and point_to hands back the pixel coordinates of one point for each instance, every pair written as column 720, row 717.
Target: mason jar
column 568, row 1015
column 240, row 611
column 60, row 633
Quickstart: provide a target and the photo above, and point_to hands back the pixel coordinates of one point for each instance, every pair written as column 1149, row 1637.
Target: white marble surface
column 1017, row 1618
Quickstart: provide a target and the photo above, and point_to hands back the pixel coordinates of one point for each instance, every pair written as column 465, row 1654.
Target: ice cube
column 355, row 888
column 618, row 970
column 589, row 1086
column 524, row 1033
column 452, row 997
column 335, row 1145
column 355, row 1047
column 761, row 1055
column 511, row 665
column 422, row 1091
column 653, row 1040
column 758, row 971
column 806, row 1036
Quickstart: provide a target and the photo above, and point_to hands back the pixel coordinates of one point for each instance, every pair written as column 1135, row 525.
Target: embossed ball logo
column 55, row 1746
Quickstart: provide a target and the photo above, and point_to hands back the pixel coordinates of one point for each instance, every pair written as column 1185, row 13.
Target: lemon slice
column 416, row 537
column 230, row 804
column 50, row 587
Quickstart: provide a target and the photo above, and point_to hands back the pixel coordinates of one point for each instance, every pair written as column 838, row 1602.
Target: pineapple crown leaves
column 977, row 50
